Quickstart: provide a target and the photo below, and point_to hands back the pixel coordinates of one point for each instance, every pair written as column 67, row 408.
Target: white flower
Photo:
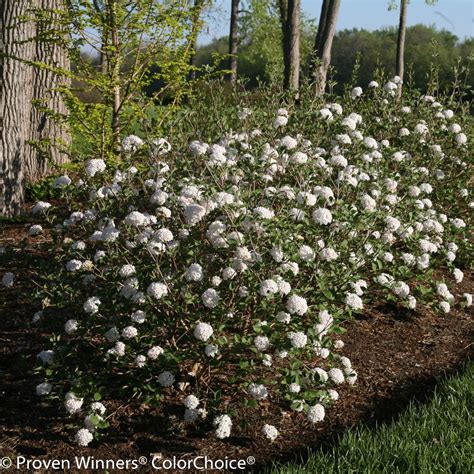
column 73, row 265
column 356, row 92
column 127, row 271
column 140, row 361
column 336, row 375
column 72, row 403
column 223, row 425
column 297, row 305
column 210, row 298
column 35, row 230
column 270, row 432
column 91, row 306
column 203, row 331
column 95, row 166
column 43, row 389
column 280, row 121
column 194, row 213
column 7, row 279
column 71, row 326
column 268, row 287
column 306, row 253
column 354, row 301
column 154, row 352
column 40, row 207
column 257, row 391
column 131, row 143
column 135, row 219
column 211, row 350
column 83, row 437
column 61, row 182
column 445, row 307
column 261, row 343
column 328, row 254
column 191, row 402
column 468, row 299
column 322, row 216
column 316, row 413
column 264, row 213
column 458, row 275
column 166, row 379
column 129, row 332
column 194, row 272
column 157, row 290
column 46, row 357
column 298, row 339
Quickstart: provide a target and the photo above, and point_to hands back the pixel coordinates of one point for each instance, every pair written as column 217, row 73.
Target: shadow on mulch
column 400, row 356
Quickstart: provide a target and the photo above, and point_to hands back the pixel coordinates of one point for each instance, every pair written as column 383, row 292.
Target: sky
column 456, row 16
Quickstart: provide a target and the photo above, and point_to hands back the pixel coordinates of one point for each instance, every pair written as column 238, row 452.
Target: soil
column 399, row 356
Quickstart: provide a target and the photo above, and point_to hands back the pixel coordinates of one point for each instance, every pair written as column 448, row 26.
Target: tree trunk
column 114, row 65
column 16, row 41
column 233, row 41
column 323, row 43
column 198, row 6
column 48, row 134
column 291, row 48
column 402, row 29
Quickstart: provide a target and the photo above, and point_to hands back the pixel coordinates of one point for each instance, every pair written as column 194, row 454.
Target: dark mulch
column 399, row 357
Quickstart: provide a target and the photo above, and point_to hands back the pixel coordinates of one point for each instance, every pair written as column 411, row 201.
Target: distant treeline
column 425, row 47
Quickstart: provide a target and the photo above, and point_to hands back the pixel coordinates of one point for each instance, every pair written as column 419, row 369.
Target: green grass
column 437, row 437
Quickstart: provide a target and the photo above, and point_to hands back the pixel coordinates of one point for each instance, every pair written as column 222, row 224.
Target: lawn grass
column 437, row 437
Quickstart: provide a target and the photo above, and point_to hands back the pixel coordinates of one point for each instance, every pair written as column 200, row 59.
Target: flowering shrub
column 219, row 275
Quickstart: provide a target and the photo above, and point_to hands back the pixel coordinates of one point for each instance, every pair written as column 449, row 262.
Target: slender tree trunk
column 16, row 41
column 233, row 41
column 198, row 6
column 114, row 65
column 291, row 45
column 402, row 29
column 323, row 43
column 48, row 134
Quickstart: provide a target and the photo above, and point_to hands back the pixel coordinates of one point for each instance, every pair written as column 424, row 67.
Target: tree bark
column 113, row 68
column 198, row 6
column 402, row 29
column 233, row 40
column 323, row 43
column 49, row 136
column 291, row 45
column 16, row 42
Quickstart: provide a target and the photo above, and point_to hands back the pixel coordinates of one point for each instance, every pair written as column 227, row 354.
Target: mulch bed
column 399, row 356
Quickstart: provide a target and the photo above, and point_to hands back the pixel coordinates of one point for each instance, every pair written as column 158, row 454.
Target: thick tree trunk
column 16, row 41
column 48, row 133
column 291, row 46
column 233, row 40
column 323, row 43
column 402, row 29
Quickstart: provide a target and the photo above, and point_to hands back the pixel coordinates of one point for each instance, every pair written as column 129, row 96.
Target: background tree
column 290, row 21
column 49, row 135
column 400, row 59
column 233, row 40
column 323, row 43
column 33, row 64
column 15, row 99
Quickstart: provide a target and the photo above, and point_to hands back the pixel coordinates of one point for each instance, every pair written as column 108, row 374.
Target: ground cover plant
column 214, row 271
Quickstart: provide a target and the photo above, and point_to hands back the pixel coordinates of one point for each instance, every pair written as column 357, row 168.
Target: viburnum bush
column 217, row 275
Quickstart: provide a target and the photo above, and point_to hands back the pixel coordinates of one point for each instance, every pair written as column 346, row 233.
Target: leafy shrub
column 220, row 275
